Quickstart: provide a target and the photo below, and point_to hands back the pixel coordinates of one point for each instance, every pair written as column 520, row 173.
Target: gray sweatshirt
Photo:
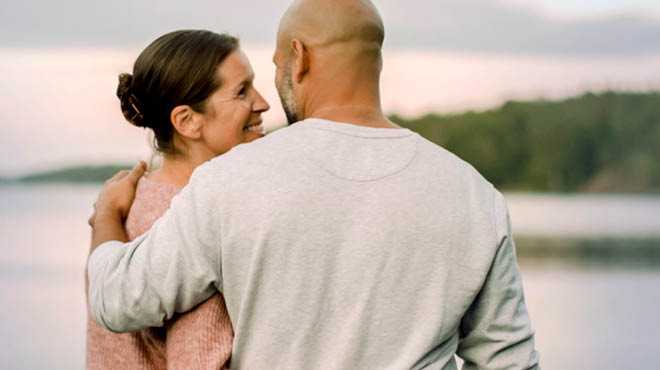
column 336, row 246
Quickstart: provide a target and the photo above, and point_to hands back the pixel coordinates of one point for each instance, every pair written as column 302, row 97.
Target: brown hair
column 179, row 68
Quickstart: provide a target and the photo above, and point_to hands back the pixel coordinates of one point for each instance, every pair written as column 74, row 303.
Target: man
column 340, row 242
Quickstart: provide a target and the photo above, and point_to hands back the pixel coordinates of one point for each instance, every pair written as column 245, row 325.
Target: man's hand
column 118, row 193
column 112, row 206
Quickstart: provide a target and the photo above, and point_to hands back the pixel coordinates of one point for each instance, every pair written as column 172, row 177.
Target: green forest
column 608, row 142
column 82, row 174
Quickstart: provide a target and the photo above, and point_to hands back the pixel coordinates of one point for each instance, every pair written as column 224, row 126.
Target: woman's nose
column 261, row 105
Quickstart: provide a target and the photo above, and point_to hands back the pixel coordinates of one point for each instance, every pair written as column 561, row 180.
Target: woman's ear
column 300, row 65
column 186, row 122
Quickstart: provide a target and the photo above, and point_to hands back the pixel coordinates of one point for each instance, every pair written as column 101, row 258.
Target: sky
column 60, row 61
column 602, row 27
column 595, row 7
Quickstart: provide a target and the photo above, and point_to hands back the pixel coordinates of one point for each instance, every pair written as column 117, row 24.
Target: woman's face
column 233, row 112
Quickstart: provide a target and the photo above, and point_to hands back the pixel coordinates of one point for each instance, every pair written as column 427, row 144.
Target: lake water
column 596, row 317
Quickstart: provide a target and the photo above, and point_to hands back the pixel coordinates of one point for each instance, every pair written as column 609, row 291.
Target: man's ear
column 186, row 122
column 300, row 65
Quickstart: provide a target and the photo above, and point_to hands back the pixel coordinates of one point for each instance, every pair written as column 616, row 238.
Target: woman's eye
column 242, row 92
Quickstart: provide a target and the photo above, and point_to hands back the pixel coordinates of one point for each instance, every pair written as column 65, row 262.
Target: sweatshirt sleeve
column 170, row 269
column 496, row 333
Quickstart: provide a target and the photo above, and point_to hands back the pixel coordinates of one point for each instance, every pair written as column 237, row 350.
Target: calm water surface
column 600, row 318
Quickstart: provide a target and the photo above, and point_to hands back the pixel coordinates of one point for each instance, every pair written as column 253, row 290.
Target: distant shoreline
column 95, row 175
column 586, row 251
column 594, row 143
column 591, row 249
column 87, row 174
column 602, row 143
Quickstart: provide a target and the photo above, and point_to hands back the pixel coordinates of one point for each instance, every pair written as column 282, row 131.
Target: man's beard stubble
column 285, row 91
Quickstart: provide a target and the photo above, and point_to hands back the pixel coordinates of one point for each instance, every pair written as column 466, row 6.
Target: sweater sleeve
column 170, row 269
column 496, row 332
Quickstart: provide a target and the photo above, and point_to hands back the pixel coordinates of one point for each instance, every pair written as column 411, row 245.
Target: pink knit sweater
column 200, row 339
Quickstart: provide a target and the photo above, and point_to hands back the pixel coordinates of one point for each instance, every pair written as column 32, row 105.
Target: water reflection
column 589, row 313
column 593, row 317
column 584, row 215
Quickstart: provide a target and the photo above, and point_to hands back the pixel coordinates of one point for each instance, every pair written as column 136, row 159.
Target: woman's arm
column 203, row 337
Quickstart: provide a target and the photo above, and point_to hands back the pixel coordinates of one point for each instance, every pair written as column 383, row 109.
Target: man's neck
column 360, row 115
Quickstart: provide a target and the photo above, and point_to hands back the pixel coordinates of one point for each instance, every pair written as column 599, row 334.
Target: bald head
column 322, row 23
column 329, row 61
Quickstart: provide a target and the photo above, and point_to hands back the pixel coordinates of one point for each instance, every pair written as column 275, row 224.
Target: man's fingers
column 137, row 172
column 118, row 176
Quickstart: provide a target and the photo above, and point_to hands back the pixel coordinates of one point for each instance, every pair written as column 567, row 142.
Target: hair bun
column 130, row 104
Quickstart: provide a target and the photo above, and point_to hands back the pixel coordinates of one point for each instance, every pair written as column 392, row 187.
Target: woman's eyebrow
column 248, row 79
column 241, row 84
column 245, row 82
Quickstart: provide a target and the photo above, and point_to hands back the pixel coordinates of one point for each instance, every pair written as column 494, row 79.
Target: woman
column 194, row 90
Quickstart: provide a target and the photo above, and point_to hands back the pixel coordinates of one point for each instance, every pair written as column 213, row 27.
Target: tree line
column 607, row 142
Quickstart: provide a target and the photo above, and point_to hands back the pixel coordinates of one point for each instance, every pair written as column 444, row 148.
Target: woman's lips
column 255, row 127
